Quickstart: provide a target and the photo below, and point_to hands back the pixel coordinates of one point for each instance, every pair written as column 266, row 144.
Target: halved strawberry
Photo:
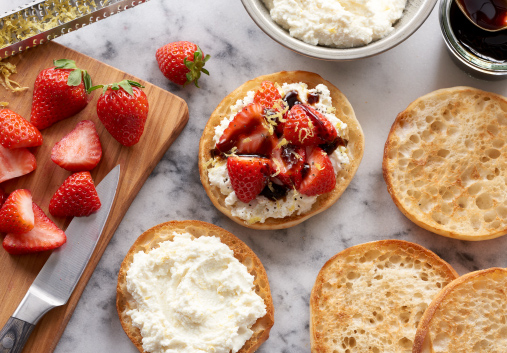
column 75, row 197
column 248, row 176
column 15, row 162
column 320, row 178
column 16, row 214
column 248, row 123
column 44, row 236
column 80, row 149
column 267, row 95
column 3, row 196
column 16, row 132
column 307, row 127
column 287, row 163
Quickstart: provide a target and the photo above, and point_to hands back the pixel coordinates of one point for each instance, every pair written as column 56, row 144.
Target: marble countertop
column 378, row 89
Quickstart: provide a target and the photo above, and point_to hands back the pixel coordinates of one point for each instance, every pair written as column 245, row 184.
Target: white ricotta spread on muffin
column 192, row 295
column 337, row 23
column 262, row 208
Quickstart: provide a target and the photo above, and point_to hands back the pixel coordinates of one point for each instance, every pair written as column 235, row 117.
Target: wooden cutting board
column 167, row 116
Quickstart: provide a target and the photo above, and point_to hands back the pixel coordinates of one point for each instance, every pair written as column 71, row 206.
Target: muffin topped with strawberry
column 279, row 149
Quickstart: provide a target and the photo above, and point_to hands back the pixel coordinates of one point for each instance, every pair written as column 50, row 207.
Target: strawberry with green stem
column 182, row 62
column 59, row 93
column 123, row 109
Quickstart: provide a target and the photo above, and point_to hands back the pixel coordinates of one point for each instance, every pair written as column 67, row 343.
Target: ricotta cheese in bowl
column 192, row 295
column 262, row 208
column 337, row 23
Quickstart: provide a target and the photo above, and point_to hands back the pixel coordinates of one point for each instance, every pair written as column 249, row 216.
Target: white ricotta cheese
column 192, row 295
column 337, row 23
column 262, row 208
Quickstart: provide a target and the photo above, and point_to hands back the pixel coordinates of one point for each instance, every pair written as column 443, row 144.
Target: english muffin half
column 352, row 148
column 371, row 297
column 468, row 315
column 153, row 239
column 445, row 163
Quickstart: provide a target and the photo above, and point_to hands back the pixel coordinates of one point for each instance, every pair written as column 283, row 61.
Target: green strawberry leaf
column 75, row 77
column 89, row 90
column 64, row 64
column 126, row 86
column 87, row 80
column 196, row 67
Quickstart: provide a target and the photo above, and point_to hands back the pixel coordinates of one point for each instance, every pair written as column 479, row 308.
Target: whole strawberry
column 123, row 109
column 16, row 132
column 77, row 197
column 59, row 93
column 182, row 62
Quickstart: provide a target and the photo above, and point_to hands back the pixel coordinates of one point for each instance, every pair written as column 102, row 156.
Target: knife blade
column 44, row 20
column 58, row 277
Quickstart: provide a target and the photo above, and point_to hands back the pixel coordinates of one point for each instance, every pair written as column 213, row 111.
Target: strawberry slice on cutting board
column 80, row 149
column 16, row 214
column 45, row 235
column 15, row 162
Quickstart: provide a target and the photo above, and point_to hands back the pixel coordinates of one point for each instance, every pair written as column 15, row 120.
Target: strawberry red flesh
column 267, row 95
column 80, row 149
column 16, row 214
column 54, row 99
column 15, row 162
column 16, row 132
column 320, row 176
column 3, row 196
column 75, row 197
column 45, row 235
column 307, row 127
column 249, row 175
column 123, row 114
column 287, row 165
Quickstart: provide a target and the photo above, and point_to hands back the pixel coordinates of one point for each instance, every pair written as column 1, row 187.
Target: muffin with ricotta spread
column 279, row 149
column 190, row 286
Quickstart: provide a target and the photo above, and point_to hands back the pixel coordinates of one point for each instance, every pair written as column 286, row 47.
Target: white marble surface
column 378, row 89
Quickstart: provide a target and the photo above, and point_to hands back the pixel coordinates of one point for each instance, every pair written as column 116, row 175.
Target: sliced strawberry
column 3, row 196
column 307, row 127
column 16, row 214
column 287, row 163
column 248, row 176
column 267, row 95
column 75, row 197
column 80, row 149
column 16, row 132
column 320, row 177
column 15, row 162
column 248, row 121
column 258, row 142
column 44, row 236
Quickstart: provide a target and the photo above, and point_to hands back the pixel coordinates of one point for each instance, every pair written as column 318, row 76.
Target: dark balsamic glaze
column 292, row 98
column 491, row 46
column 489, row 14
column 332, row 146
column 313, row 98
column 305, row 170
column 278, row 192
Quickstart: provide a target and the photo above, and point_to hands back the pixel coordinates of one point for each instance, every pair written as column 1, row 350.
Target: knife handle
column 14, row 335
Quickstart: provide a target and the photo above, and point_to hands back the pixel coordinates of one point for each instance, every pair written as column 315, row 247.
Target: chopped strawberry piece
column 16, row 214
column 267, row 95
column 320, row 178
column 307, row 127
column 16, row 132
column 75, row 197
column 3, row 196
column 15, row 162
column 45, row 235
column 248, row 132
column 287, row 163
column 248, row 176
column 80, row 149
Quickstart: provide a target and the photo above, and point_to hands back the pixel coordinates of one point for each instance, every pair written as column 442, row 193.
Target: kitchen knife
column 56, row 280
column 43, row 20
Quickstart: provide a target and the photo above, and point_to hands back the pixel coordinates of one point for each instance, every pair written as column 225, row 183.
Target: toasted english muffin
column 370, row 297
column 468, row 315
column 445, row 163
column 344, row 112
column 164, row 232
